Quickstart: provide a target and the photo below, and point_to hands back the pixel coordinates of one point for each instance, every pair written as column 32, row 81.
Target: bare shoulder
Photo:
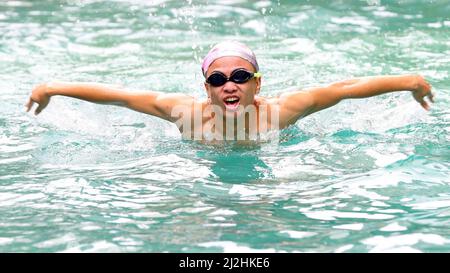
column 292, row 106
column 166, row 104
column 269, row 102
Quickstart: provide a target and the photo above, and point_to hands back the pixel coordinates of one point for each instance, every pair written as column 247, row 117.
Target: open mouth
column 231, row 103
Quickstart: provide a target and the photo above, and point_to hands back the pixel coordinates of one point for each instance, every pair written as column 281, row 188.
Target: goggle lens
column 217, row 79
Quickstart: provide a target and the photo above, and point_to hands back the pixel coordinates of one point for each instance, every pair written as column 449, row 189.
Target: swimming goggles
column 239, row 75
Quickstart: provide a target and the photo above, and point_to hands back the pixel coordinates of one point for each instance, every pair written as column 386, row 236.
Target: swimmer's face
column 232, row 95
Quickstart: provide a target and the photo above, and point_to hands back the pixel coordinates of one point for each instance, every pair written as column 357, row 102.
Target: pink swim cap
column 229, row 48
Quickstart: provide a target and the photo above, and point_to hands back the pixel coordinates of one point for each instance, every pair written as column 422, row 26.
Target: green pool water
column 366, row 175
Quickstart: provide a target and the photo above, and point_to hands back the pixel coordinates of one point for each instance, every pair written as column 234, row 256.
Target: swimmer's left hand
column 421, row 90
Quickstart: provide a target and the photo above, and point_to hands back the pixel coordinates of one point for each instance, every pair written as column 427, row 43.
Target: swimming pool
column 364, row 176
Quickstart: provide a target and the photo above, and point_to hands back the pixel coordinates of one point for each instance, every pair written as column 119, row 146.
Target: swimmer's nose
column 229, row 87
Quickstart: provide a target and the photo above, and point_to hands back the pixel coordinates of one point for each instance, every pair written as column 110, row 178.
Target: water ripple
column 364, row 176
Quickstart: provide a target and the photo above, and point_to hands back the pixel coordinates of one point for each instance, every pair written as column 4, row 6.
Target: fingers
column 29, row 104
column 428, row 94
column 424, row 90
column 425, row 105
column 38, row 109
column 431, row 97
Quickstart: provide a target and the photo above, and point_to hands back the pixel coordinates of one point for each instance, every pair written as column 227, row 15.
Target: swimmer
column 233, row 109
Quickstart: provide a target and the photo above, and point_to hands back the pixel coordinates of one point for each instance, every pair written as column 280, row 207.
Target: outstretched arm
column 300, row 104
column 149, row 102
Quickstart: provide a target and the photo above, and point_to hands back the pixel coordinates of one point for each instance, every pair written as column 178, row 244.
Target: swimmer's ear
column 208, row 92
column 258, row 85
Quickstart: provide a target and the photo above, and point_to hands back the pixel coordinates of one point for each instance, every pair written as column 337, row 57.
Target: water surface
column 367, row 175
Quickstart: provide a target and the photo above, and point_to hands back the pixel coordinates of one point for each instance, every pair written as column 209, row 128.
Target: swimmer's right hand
column 40, row 96
column 421, row 89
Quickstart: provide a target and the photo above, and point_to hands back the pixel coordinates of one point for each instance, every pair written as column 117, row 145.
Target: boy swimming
column 233, row 109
